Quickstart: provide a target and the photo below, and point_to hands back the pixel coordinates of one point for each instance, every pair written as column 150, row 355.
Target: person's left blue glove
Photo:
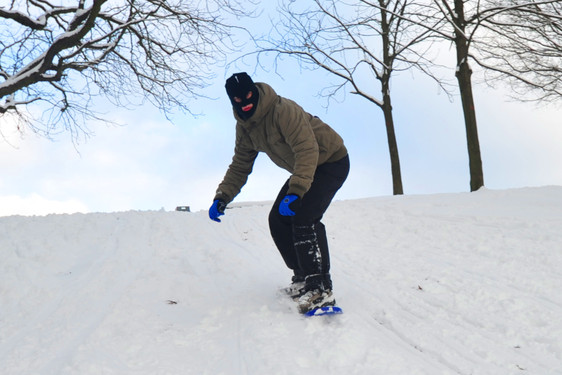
column 289, row 204
column 216, row 210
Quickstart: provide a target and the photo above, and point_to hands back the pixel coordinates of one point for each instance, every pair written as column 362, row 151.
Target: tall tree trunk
column 463, row 74
column 393, row 147
column 387, row 105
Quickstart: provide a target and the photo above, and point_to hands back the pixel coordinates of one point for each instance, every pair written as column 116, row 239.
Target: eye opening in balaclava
column 238, row 87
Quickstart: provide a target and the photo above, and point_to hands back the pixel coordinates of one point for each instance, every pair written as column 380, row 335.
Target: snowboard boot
column 315, row 294
column 296, row 289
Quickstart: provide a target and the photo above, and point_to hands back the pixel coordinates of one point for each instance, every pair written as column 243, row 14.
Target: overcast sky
column 150, row 163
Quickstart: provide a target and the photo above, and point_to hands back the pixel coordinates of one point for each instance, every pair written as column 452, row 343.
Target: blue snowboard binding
column 326, row 310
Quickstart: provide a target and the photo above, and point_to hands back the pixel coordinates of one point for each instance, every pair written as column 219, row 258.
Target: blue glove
column 216, row 210
column 285, row 208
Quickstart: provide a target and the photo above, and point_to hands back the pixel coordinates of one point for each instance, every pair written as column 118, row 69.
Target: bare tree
column 514, row 40
column 517, row 39
column 353, row 42
column 523, row 46
column 55, row 58
column 454, row 14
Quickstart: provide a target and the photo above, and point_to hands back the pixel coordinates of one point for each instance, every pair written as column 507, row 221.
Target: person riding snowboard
column 318, row 161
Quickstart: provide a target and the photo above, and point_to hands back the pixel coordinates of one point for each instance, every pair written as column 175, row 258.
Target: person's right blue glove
column 216, row 210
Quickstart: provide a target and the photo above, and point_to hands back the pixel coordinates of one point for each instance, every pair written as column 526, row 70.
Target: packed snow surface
column 466, row 283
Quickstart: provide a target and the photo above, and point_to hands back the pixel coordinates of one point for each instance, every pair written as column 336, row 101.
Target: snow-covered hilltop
column 440, row 284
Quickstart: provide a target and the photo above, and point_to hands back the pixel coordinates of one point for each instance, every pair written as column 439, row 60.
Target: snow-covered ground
column 441, row 284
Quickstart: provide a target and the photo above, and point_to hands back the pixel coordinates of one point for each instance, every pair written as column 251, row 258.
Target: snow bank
column 439, row 284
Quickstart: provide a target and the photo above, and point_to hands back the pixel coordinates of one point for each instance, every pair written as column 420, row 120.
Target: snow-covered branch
column 38, row 23
column 161, row 50
column 10, row 103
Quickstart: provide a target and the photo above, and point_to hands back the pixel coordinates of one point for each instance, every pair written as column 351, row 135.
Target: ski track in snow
column 439, row 284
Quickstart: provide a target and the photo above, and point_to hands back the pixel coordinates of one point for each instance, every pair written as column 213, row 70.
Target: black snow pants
column 301, row 239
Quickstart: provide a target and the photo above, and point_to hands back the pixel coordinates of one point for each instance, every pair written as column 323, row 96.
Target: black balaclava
column 238, row 86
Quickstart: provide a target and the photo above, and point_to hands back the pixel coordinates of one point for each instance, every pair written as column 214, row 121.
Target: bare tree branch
column 356, row 41
column 522, row 46
column 56, row 58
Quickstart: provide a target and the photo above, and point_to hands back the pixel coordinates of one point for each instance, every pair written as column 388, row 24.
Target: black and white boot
column 296, row 289
column 315, row 294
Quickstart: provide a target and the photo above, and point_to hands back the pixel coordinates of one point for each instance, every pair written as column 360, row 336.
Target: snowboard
column 319, row 311
column 326, row 310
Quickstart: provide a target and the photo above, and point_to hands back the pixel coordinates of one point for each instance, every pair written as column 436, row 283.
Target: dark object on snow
column 183, row 208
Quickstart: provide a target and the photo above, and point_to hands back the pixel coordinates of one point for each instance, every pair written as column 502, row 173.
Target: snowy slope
column 441, row 284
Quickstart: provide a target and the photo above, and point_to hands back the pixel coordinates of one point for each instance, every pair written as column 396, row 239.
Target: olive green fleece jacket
column 292, row 138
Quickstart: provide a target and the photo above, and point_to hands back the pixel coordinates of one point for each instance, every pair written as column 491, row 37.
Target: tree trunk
column 463, row 74
column 393, row 147
column 397, row 188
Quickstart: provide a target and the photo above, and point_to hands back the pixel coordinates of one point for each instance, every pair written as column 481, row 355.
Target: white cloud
column 34, row 204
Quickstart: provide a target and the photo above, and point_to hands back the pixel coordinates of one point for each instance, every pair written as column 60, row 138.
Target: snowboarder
column 317, row 159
